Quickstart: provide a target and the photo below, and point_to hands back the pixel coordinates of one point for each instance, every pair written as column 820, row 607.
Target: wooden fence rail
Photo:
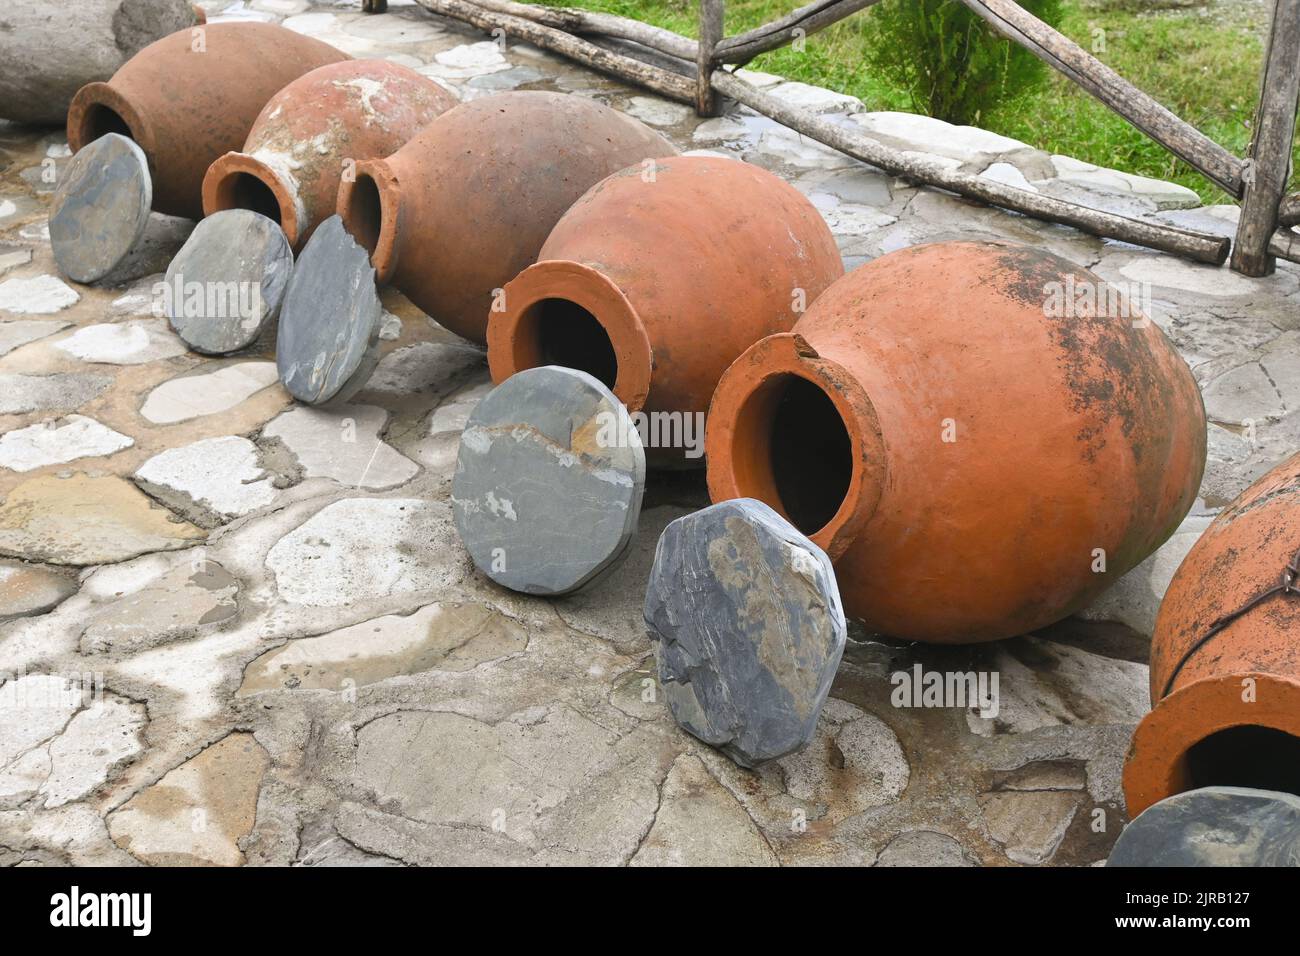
column 694, row 72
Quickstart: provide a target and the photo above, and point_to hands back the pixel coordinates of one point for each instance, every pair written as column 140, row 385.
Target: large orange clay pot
column 1225, row 686
column 658, row 278
column 970, row 459
column 458, row 211
column 313, row 132
column 191, row 96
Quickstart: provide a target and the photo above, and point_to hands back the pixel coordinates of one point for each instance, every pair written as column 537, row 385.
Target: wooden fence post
column 1270, row 144
column 712, row 13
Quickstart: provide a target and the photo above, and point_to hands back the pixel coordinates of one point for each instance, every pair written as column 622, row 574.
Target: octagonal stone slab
column 548, row 481
column 101, row 207
column 750, row 629
column 328, row 342
column 1214, row 826
column 227, row 283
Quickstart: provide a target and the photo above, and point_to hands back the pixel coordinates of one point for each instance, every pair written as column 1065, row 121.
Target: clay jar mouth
column 559, row 312
column 241, row 181
column 369, row 203
column 1206, row 734
column 97, row 110
column 797, row 432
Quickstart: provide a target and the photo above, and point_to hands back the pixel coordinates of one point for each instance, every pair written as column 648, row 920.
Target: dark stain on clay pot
column 964, row 456
column 1227, row 713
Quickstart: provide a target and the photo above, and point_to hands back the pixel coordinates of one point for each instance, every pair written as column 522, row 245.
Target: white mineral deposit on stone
column 37, row 295
column 57, row 441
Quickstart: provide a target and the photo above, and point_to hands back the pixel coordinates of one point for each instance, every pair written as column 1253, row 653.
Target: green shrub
column 947, row 60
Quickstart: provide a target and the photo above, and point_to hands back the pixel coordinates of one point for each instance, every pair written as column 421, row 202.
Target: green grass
column 1203, row 65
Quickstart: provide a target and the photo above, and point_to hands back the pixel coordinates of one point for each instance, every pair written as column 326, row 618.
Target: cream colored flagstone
column 83, row 519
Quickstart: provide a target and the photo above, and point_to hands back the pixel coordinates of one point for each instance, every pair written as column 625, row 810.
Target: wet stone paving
column 237, row 630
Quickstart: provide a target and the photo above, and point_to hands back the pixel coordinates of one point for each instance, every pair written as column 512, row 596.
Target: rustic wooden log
column 711, row 17
column 1288, row 214
column 1199, row 246
column 1285, row 244
column 1063, row 54
column 815, row 16
column 666, row 83
column 603, row 24
column 1270, row 146
column 644, row 54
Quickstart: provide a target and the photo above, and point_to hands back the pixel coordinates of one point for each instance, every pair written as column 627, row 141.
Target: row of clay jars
column 463, row 207
column 1225, row 689
column 977, row 463
column 312, row 133
column 659, row 277
column 192, row 96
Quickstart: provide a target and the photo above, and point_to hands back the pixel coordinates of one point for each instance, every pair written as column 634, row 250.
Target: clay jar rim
column 103, row 95
column 379, row 236
column 738, row 448
column 1156, row 765
column 222, row 179
column 513, row 346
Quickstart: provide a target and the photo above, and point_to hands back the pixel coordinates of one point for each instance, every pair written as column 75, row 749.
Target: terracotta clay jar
column 658, row 278
column 313, row 131
column 457, row 212
column 1225, row 656
column 978, row 458
column 192, row 96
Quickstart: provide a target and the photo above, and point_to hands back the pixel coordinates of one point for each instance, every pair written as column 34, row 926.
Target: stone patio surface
column 240, row 631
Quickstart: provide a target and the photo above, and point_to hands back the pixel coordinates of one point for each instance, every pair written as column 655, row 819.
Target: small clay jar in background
column 1225, row 689
column 658, row 278
column 314, row 131
column 461, row 209
column 979, row 458
column 192, row 96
